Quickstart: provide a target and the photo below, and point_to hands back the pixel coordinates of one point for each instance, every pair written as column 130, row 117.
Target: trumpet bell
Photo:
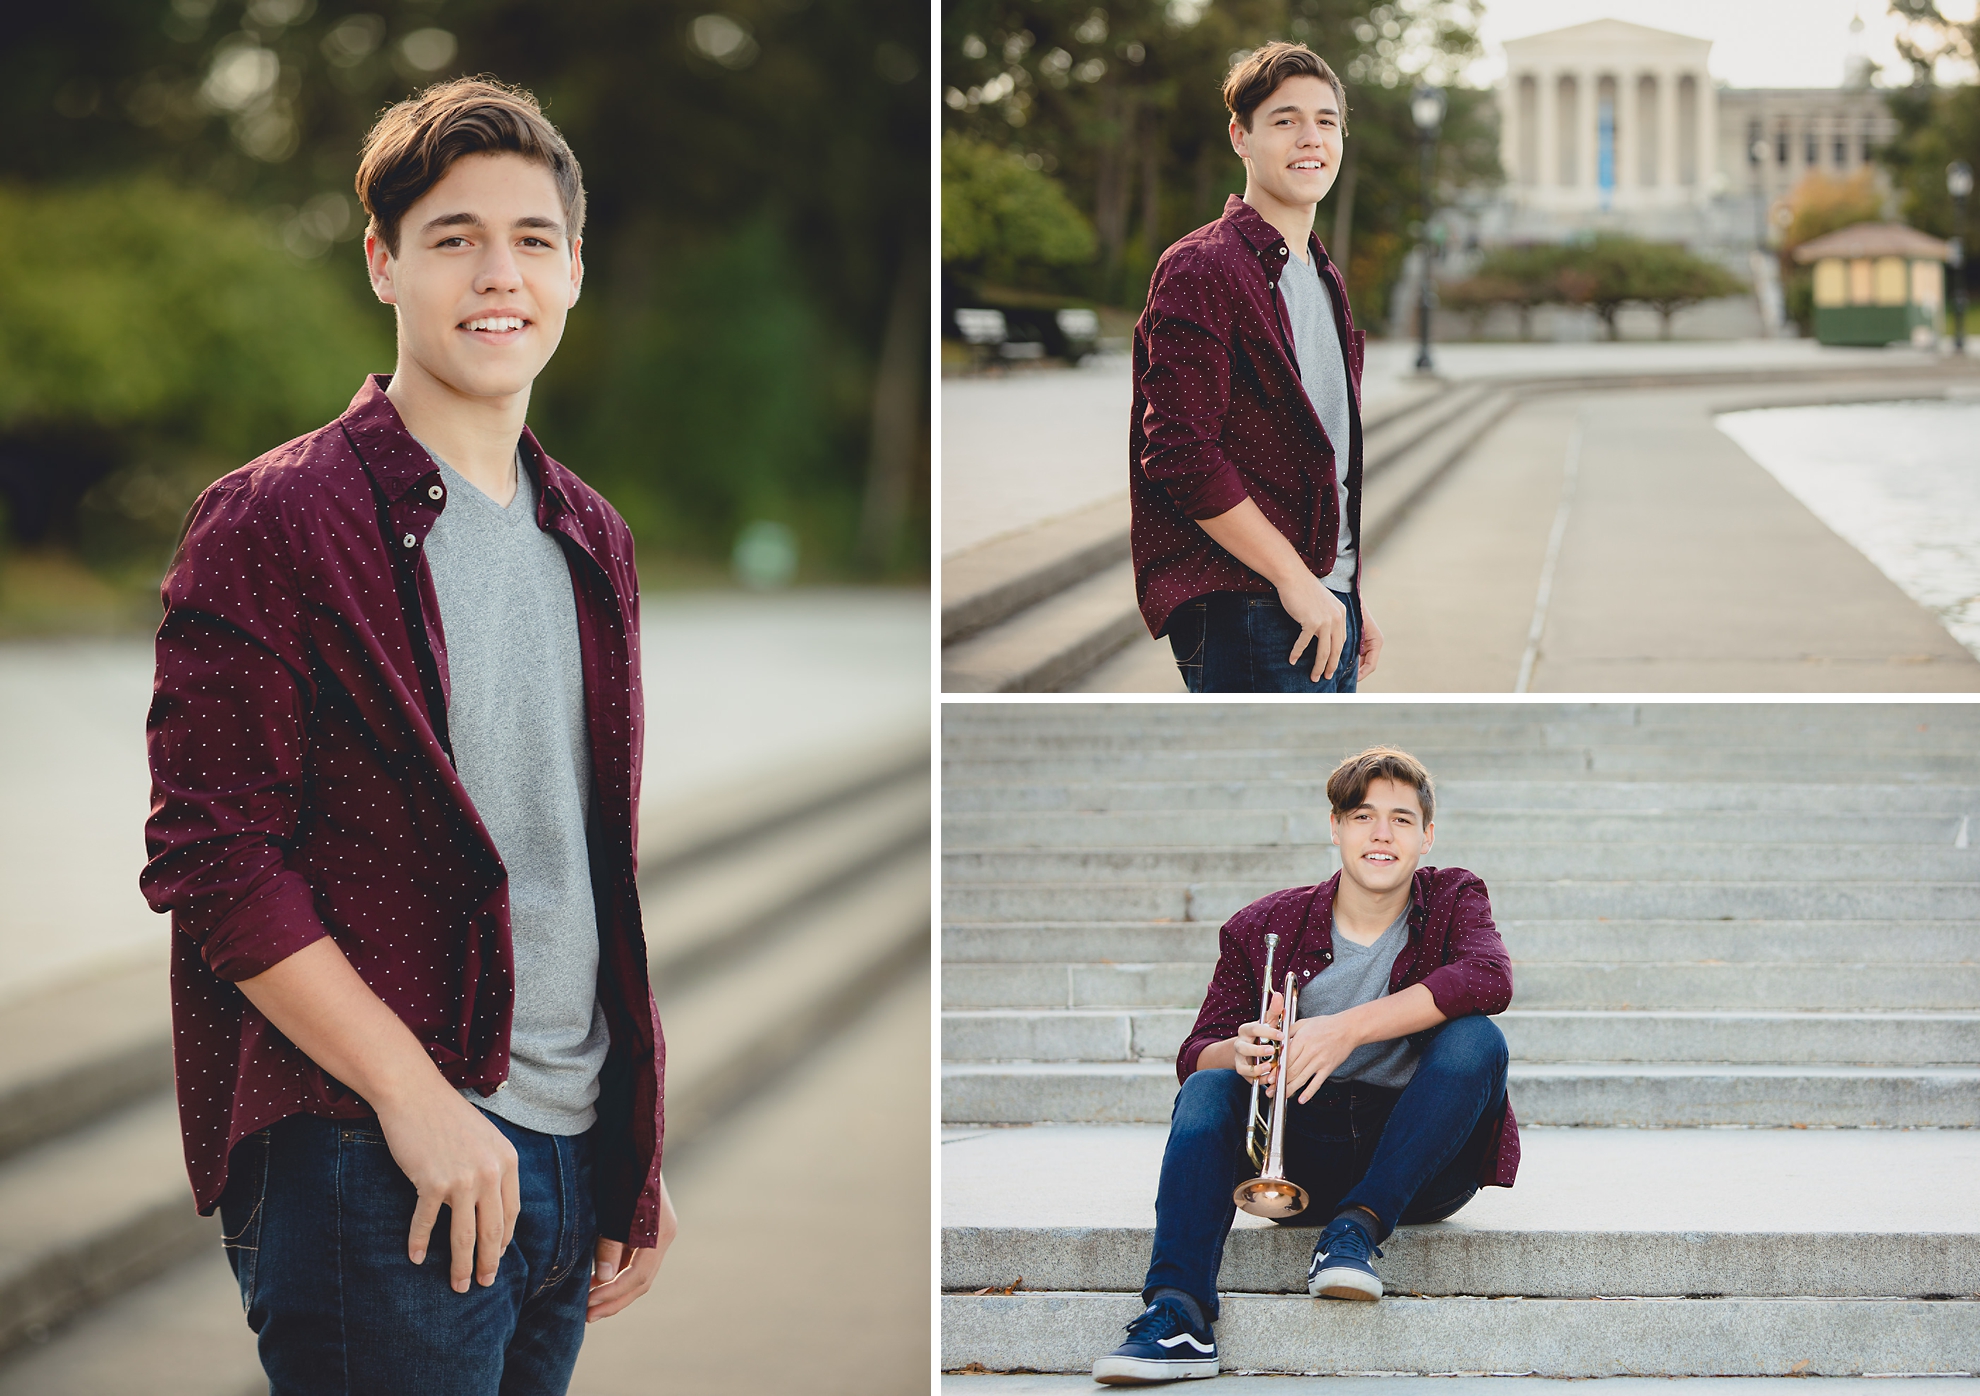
column 1270, row 1197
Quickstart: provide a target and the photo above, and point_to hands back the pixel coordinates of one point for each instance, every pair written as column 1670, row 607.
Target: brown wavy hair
column 1257, row 75
column 415, row 142
column 1348, row 786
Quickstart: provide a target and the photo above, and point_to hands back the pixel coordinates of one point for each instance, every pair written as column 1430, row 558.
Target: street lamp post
column 1426, row 108
column 1959, row 183
column 1756, row 154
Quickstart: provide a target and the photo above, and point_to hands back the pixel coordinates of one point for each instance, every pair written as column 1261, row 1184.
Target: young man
column 1246, row 436
column 1394, row 1080
column 395, row 747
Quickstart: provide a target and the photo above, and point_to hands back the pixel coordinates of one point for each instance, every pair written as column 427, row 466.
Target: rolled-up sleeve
column 1476, row 976
column 1186, row 385
column 226, row 735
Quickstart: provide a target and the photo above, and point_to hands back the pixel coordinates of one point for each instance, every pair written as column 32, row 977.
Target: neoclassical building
column 1611, row 124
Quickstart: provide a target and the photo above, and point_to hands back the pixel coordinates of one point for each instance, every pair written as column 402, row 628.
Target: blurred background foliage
column 187, row 286
column 1118, row 105
column 1603, row 273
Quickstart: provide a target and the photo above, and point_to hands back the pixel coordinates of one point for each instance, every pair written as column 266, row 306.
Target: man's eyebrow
column 1294, row 108
column 473, row 220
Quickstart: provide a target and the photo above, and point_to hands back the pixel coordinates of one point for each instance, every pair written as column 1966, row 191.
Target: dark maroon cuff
column 272, row 924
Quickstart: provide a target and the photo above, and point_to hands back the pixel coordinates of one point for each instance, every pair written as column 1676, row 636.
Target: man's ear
column 1238, row 134
column 378, row 261
column 577, row 269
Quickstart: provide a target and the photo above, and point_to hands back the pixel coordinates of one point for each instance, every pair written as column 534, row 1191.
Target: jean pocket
column 242, row 1206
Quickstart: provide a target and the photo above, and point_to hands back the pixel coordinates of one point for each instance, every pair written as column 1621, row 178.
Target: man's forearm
column 1247, row 535
column 1392, row 1016
column 319, row 1002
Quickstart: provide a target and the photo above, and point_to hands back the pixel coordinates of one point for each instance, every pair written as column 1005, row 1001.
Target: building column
column 1548, row 176
column 1623, row 124
column 1707, row 153
column 1589, row 119
column 1667, row 135
column 1509, row 131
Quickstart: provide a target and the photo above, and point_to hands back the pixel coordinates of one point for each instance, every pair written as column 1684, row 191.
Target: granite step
column 1051, row 643
column 987, row 792
column 1604, row 1094
column 1455, row 824
column 1592, row 941
column 1216, row 901
column 1532, row 1035
column 1064, row 1332
column 1298, row 864
column 1740, row 761
column 1671, row 986
column 1680, row 1252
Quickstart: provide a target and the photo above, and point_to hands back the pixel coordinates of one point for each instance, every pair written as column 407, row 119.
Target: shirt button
column 434, row 492
column 1282, row 251
column 410, row 541
column 503, row 1086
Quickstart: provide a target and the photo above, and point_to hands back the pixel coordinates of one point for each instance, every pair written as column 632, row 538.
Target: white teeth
column 497, row 323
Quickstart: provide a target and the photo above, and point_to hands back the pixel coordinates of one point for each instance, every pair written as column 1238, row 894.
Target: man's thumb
column 606, row 1264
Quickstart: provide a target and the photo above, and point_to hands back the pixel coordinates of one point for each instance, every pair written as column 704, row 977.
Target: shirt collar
column 1320, row 910
column 399, row 463
column 1266, row 241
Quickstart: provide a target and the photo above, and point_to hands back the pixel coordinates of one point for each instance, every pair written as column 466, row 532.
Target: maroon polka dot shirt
column 1220, row 415
column 303, row 786
column 1453, row 950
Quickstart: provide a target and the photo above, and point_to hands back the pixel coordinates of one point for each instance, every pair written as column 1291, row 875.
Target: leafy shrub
column 151, row 338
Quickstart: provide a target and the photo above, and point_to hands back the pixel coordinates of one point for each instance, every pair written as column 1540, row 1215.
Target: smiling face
column 484, row 276
column 1383, row 838
column 1292, row 152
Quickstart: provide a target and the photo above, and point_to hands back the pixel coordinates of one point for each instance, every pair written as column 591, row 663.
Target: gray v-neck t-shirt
column 515, row 715
column 1323, row 373
column 1358, row 975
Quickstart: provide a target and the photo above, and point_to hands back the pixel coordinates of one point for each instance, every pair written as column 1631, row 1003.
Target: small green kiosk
column 1876, row 283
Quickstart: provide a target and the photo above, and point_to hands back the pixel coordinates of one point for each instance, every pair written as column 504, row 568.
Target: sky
column 1756, row 43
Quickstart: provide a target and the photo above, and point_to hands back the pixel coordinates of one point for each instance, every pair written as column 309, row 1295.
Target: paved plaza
column 1682, row 565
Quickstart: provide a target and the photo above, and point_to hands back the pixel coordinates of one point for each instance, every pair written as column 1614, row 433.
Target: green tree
column 1936, row 125
column 1000, row 216
column 1669, row 278
column 136, row 358
column 794, row 130
column 1120, row 102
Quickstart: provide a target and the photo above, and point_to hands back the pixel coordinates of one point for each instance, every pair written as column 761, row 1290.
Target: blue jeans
column 315, row 1221
column 1407, row 1156
column 1237, row 642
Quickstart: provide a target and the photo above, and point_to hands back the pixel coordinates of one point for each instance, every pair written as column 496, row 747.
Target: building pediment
column 1610, row 40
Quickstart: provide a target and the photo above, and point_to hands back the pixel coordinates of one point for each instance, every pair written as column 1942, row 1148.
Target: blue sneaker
column 1160, row 1347
column 1341, row 1269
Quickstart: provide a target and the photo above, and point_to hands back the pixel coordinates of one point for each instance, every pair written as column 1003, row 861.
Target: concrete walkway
column 735, row 685
column 1683, row 567
column 1623, row 1181
column 1023, row 447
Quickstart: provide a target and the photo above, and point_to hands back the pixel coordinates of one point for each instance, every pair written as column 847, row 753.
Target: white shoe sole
column 1139, row 1371
column 1343, row 1283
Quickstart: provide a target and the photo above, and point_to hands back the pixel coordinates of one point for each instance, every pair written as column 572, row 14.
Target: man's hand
column 1319, row 1045
column 456, row 1157
column 1371, row 644
column 1257, row 1043
column 1321, row 617
column 614, row 1286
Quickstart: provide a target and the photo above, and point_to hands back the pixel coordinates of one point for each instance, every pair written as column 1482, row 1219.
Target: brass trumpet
column 1271, row 1193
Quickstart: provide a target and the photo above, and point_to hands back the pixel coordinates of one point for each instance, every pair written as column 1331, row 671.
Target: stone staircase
column 1745, row 1030
column 802, row 896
